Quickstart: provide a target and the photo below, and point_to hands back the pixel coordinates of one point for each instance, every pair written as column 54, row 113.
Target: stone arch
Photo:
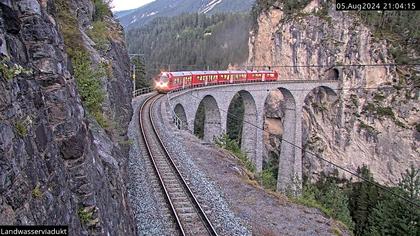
column 180, row 113
column 212, row 119
column 283, row 113
column 249, row 124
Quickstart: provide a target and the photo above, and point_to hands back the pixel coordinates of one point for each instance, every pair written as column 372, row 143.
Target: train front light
column 161, row 84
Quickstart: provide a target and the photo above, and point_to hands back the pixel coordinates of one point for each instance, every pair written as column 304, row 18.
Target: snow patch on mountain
column 210, row 6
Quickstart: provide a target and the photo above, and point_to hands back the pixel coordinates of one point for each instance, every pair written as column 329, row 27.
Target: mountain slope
column 144, row 14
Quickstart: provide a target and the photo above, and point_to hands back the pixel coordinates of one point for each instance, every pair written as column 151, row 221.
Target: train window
column 164, row 78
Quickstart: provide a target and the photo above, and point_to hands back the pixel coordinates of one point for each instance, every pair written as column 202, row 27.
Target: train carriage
column 262, row 76
column 205, row 77
column 232, row 77
column 169, row 81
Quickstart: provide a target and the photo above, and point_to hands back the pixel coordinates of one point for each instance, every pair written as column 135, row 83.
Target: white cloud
column 119, row 5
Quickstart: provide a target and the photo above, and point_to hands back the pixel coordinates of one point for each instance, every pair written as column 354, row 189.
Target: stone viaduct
column 216, row 100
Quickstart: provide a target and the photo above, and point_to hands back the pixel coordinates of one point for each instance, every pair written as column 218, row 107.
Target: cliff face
column 373, row 119
column 58, row 165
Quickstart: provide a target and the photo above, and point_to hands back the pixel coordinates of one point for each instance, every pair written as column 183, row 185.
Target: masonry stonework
column 216, row 101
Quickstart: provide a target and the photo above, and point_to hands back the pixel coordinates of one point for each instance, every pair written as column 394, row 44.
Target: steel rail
column 186, row 189
column 143, row 132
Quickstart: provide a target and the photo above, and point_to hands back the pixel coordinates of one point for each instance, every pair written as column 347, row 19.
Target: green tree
column 235, row 119
column 140, row 73
column 395, row 216
column 336, row 200
column 363, row 198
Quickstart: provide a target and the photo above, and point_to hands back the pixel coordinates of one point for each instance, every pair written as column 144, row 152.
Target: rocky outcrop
column 374, row 120
column 58, row 166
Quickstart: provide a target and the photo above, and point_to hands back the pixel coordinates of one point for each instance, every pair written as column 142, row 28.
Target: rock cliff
column 373, row 120
column 65, row 105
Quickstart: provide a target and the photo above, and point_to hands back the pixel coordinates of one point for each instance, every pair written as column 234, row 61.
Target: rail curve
column 188, row 215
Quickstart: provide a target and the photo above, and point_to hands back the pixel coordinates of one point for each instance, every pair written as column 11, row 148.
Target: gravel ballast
column 141, row 194
column 208, row 194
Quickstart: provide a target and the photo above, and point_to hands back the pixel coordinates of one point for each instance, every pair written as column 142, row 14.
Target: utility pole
column 134, row 68
column 134, row 77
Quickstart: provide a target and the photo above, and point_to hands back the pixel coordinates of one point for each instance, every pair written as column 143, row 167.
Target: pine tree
column 395, row 216
column 140, row 73
column 363, row 198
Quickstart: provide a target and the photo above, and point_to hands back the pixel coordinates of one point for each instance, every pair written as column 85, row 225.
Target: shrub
column 5, row 69
column 87, row 78
column 354, row 99
column 36, row 192
column 99, row 34
column 69, row 27
column 329, row 198
column 268, row 179
column 101, row 9
column 231, row 145
column 371, row 130
column 9, row 70
column 21, row 129
column 88, row 82
column 84, row 215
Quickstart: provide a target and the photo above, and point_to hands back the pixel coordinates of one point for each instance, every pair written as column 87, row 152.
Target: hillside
column 191, row 42
column 140, row 16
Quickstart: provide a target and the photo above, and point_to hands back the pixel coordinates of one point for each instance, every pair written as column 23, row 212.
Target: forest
column 191, row 42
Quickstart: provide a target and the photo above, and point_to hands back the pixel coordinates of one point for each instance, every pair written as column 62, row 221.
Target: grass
column 268, row 179
column 21, row 129
column 107, row 67
column 85, row 215
column 36, row 192
column 101, row 119
column 99, row 34
column 69, row 27
column 9, row 70
column 5, row 69
column 87, row 77
column 231, row 145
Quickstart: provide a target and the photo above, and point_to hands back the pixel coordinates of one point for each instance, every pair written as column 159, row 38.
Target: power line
column 321, row 158
column 293, row 66
column 302, row 90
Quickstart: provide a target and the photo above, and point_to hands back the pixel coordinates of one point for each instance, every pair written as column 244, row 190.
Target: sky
column 119, row 5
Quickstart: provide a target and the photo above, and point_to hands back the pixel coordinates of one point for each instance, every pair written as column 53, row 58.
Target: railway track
column 186, row 213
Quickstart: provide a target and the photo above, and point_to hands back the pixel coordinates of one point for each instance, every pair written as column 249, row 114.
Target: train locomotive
column 170, row 81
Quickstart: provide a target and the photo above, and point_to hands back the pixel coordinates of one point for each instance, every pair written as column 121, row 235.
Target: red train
column 169, row 81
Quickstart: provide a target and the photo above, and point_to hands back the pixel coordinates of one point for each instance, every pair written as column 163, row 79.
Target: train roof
column 186, row 73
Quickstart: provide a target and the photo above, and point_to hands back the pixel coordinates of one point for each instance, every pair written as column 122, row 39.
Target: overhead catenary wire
column 322, row 159
column 204, row 66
